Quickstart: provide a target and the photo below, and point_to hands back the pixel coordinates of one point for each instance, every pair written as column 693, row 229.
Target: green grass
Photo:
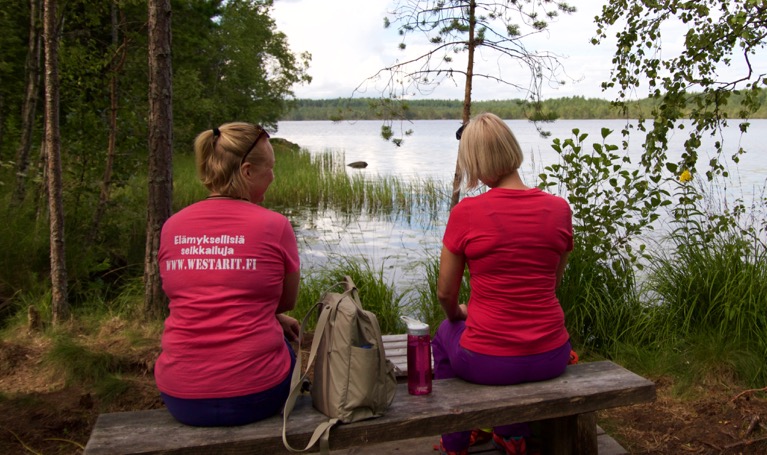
column 376, row 295
column 720, row 285
column 111, row 388
column 78, row 356
column 24, row 242
column 427, row 307
column 80, row 364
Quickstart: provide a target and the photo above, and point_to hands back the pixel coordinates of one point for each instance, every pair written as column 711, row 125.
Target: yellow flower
column 685, row 176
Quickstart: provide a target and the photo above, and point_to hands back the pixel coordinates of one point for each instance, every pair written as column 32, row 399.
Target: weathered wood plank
column 453, row 405
column 394, row 337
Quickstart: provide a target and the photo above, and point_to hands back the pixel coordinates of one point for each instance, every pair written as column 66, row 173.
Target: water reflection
column 394, row 242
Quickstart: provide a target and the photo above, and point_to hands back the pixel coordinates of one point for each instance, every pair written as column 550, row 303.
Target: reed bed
column 320, row 181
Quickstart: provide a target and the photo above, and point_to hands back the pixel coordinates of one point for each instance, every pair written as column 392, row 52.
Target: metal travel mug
column 419, row 372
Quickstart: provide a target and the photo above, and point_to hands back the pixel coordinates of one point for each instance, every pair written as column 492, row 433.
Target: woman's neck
column 223, row 196
column 512, row 182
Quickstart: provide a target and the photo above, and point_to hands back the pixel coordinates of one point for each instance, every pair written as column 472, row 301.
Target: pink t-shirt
column 222, row 264
column 513, row 241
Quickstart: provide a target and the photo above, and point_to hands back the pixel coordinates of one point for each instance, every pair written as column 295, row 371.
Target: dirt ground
column 41, row 414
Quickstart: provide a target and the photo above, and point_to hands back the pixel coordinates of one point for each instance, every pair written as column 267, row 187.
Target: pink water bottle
column 418, row 357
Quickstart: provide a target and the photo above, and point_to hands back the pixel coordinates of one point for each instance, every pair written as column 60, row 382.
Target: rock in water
column 358, row 165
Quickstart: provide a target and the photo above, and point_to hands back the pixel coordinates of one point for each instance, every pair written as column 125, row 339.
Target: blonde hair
column 488, row 150
column 220, row 152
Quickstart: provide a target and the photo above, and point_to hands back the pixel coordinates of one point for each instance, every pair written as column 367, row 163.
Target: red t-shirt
column 512, row 241
column 222, row 264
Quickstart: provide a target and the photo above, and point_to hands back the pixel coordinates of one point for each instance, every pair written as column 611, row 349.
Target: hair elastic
column 216, row 132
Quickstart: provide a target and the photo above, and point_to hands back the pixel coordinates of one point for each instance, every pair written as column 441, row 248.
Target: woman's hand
column 290, row 326
column 461, row 313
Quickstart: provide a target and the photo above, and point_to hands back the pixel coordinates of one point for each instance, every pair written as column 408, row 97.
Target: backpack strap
column 322, row 432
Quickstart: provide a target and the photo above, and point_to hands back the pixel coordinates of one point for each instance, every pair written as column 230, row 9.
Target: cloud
column 346, row 38
column 349, row 44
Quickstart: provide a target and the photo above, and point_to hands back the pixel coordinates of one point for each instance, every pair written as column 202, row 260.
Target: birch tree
column 59, row 303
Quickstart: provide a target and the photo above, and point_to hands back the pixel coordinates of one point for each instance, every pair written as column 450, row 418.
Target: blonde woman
column 230, row 268
column 515, row 241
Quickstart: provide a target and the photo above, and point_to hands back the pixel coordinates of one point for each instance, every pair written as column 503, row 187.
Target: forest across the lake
column 576, row 107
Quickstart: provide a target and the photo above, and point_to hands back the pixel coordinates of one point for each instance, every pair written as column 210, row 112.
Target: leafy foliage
column 613, row 206
column 720, row 33
column 14, row 21
column 612, row 203
column 253, row 68
column 230, row 63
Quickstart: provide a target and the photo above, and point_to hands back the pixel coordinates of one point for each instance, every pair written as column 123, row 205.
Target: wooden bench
column 396, row 351
column 564, row 407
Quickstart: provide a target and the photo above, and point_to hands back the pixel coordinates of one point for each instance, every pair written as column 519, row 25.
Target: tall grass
column 601, row 302
column 24, row 243
column 320, row 181
column 376, row 294
column 427, row 307
column 719, row 286
column 81, row 364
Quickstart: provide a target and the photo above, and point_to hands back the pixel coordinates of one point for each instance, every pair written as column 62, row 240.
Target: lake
column 395, row 245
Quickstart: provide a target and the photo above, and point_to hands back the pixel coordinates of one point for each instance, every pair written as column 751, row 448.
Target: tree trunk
column 466, row 99
column 29, row 108
column 59, row 304
column 106, row 182
column 160, row 177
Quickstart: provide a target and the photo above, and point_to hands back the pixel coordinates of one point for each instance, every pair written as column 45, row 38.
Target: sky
column 349, row 44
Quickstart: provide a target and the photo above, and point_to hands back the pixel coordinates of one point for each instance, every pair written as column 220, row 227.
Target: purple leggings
column 226, row 412
column 451, row 360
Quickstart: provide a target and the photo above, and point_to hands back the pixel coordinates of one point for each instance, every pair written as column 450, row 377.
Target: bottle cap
column 415, row 327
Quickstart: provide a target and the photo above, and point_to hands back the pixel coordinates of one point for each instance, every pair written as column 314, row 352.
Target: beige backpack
column 353, row 379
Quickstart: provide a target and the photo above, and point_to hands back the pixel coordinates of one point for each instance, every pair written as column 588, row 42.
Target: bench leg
column 570, row 435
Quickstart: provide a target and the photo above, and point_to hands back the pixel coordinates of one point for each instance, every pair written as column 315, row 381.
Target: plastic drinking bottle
column 418, row 357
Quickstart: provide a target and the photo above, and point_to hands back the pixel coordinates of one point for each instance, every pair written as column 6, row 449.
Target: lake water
column 394, row 244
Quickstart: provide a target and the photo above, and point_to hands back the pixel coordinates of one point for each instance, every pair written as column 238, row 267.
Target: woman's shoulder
column 228, row 209
column 267, row 213
column 551, row 196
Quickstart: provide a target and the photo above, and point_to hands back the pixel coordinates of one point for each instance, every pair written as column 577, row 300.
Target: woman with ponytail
column 230, row 269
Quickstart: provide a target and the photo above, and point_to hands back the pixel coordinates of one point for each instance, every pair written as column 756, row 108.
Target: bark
column 466, row 99
column 29, row 107
column 59, row 303
column 160, row 176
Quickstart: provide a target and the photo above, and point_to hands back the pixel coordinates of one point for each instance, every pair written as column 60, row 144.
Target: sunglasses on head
column 258, row 138
column 459, row 132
